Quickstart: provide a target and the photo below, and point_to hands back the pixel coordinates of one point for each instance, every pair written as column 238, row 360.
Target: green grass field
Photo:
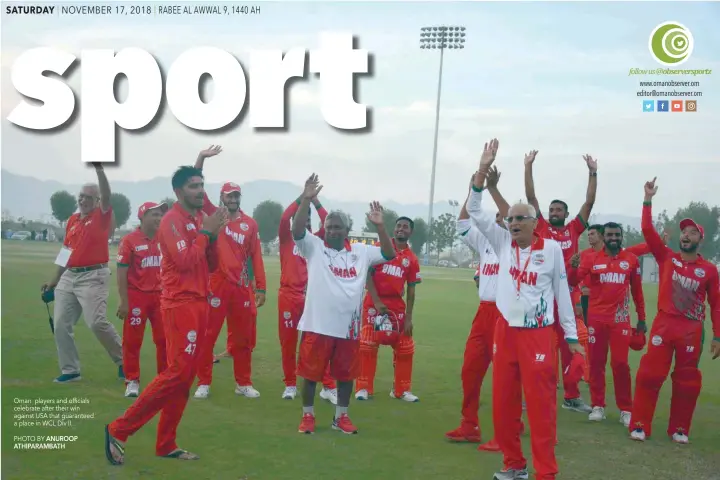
column 240, row 438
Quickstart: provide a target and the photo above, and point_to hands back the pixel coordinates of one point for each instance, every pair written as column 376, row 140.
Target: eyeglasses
column 517, row 218
column 82, row 197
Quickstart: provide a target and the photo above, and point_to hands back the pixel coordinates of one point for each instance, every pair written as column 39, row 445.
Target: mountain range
column 28, row 197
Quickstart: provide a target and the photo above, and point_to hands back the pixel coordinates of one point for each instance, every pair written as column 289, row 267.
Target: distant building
column 363, row 237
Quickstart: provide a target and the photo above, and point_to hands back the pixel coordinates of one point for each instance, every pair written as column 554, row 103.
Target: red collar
column 399, row 249
column 537, row 244
column 347, row 245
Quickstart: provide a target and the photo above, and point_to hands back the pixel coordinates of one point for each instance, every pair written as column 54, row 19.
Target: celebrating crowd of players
column 185, row 270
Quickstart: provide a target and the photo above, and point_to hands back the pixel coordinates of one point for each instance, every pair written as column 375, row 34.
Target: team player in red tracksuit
column 686, row 279
column 138, row 270
column 186, row 244
column 291, row 301
column 479, row 345
column 530, row 277
column 568, row 237
column 232, row 295
column 612, row 273
column 384, row 296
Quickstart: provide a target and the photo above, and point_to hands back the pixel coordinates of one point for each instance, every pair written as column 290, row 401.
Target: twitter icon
column 648, row 106
column 662, row 105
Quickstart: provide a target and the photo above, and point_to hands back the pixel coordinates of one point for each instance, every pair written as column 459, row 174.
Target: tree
column 267, row 215
column 419, row 236
column 442, row 233
column 632, row 236
column 708, row 217
column 169, row 201
column 389, row 219
column 121, row 208
column 63, row 205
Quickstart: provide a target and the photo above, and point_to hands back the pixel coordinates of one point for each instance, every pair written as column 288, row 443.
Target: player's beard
column 690, row 248
column 614, row 246
column 557, row 222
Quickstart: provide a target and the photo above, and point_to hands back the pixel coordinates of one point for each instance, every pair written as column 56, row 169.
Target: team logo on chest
column 538, row 259
column 624, row 265
column 700, row 273
column 393, row 270
column 140, row 248
column 152, row 261
column 405, row 262
column 235, row 236
column 244, row 227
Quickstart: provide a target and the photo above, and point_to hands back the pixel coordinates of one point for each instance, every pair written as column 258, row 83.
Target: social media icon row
column 669, row 106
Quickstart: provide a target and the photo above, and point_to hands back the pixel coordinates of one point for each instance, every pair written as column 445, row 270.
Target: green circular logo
column 671, row 43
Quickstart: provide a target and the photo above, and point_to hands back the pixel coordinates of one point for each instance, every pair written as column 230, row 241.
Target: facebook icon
column 662, row 105
column 648, row 106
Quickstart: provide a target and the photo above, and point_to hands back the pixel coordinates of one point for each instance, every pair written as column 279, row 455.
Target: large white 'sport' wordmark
column 336, row 62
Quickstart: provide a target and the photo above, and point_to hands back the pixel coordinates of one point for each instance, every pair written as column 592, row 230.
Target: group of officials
column 185, row 269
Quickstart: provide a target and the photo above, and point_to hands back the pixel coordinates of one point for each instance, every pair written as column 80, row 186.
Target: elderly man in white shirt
column 531, row 278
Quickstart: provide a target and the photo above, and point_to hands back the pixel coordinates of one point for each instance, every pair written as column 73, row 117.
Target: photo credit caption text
column 50, row 412
column 336, row 62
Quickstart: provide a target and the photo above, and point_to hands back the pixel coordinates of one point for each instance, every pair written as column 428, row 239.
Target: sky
column 545, row 76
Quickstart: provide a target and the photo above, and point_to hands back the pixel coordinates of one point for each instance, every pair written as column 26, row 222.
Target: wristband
column 571, row 340
column 210, row 235
column 716, row 339
column 593, row 174
column 647, row 204
column 475, row 189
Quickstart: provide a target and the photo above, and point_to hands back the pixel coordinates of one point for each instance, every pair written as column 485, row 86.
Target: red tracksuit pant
column 142, row 306
column 606, row 334
column 403, row 351
column 168, row 392
column 290, row 309
column 477, row 359
column 670, row 336
column 571, row 390
column 524, row 363
column 237, row 304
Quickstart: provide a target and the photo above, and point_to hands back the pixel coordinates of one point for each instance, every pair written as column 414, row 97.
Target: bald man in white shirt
column 531, row 278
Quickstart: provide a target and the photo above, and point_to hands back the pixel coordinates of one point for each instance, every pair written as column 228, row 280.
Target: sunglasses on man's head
column 517, row 218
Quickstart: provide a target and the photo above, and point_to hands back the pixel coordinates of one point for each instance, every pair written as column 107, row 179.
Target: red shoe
column 490, row 446
column 307, row 425
column 464, row 434
column 344, row 424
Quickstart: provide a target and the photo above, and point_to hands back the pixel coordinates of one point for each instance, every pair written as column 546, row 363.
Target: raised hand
column 489, row 152
column 376, row 214
column 665, row 236
column 591, row 163
column 211, row 151
column 650, row 188
column 493, row 177
column 312, row 187
column 530, row 157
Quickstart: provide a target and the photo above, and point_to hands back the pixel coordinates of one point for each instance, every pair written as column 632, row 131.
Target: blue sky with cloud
column 550, row 76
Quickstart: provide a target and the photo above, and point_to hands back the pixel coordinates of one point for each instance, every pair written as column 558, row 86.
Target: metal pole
column 434, row 157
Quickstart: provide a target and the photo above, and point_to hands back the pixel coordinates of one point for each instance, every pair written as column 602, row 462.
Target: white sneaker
column 638, row 435
column 625, row 418
column 203, row 391
column 247, row 391
column 362, row 395
column 597, row 414
column 406, row 396
column 133, row 388
column 680, row 438
column 290, row 393
column 329, row 394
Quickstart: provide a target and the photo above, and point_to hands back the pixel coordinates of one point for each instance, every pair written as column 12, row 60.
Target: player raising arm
column 479, row 345
column 568, row 236
column 686, row 280
column 291, row 300
column 612, row 273
column 531, row 276
column 233, row 296
column 337, row 271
